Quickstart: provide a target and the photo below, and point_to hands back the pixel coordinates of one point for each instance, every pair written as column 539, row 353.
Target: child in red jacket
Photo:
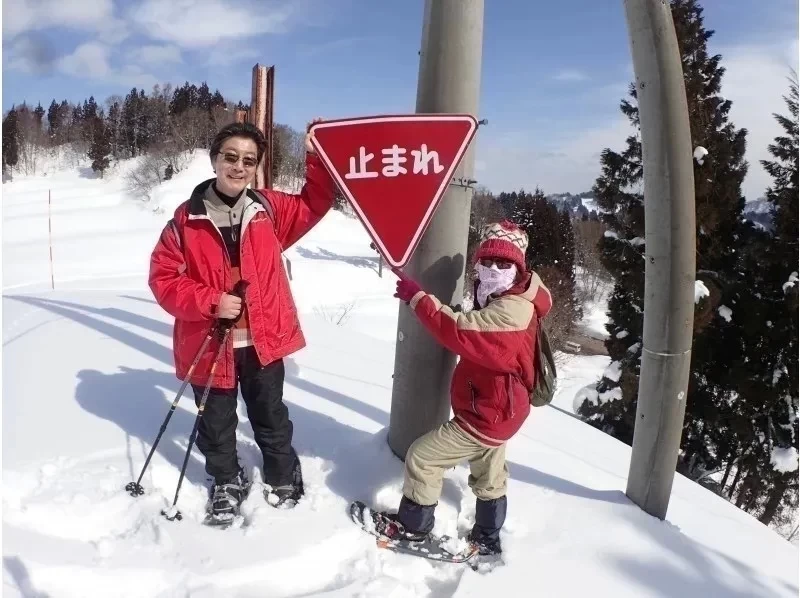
column 489, row 389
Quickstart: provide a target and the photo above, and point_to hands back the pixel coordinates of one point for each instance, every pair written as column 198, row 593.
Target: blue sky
column 552, row 73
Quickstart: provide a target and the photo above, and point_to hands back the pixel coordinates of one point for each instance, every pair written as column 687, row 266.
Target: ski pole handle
column 238, row 290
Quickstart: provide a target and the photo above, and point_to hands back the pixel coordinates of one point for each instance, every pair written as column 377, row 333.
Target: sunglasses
column 501, row 263
column 247, row 161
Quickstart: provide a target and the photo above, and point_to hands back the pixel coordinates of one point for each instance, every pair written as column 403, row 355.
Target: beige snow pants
column 445, row 447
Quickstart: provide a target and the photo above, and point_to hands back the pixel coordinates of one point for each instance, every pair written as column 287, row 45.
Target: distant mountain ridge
column 756, row 211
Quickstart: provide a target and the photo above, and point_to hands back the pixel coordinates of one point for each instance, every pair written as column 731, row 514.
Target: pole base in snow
column 134, row 489
column 172, row 514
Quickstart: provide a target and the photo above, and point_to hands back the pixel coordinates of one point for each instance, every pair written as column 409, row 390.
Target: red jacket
column 190, row 270
column 489, row 389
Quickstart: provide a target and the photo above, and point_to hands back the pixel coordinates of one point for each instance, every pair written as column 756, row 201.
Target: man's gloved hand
column 231, row 308
column 406, row 288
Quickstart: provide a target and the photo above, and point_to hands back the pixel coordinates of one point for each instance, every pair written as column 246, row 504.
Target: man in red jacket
column 489, row 390
column 222, row 234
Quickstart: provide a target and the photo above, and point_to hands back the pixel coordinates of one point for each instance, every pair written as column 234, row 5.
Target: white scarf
column 494, row 280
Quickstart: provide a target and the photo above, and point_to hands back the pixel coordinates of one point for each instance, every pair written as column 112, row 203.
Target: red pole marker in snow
column 50, row 237
column 394, row 170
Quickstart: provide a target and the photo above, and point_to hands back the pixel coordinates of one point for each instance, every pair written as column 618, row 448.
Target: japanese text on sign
column 393, row 161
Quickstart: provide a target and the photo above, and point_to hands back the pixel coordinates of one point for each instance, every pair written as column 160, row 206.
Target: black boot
column 226, row 497
column 416, row 520
column 489, row 518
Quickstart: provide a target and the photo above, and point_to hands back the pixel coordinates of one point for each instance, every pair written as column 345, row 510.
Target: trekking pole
column 135, row 488
column 173, row 513
column 223, row 325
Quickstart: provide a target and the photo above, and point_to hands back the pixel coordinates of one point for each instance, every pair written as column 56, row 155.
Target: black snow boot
column 287, row 495
column 226, row 497
column 416, row 521
column 489, row 518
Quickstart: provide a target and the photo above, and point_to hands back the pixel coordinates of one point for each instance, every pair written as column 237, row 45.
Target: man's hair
column 245, row 130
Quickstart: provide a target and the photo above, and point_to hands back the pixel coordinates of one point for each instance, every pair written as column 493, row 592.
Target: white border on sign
column 439, row 192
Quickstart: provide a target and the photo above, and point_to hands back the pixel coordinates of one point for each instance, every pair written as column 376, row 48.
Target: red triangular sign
column 394, row 170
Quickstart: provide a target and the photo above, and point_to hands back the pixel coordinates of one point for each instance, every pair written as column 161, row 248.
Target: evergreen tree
column 10, row 140
column 90, row 109
column 38, row 114
column 134, row 122
column 719, row 206
column 783, row 194
column 115, row 129
column 551, row 253
column 772, row 482
column 65, row 122
column 76, row 124
column 100, row 144
column 54, row 120
column 217, row 100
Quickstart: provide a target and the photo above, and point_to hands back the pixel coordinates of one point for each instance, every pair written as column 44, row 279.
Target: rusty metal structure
column 261, row 115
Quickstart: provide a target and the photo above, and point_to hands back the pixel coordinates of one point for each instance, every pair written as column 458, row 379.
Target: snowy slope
column 87, row 380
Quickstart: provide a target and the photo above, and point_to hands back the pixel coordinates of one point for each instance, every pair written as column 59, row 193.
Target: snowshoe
column 391, row 535
column 283, row 497
column 225, row 501
column 288, row 495
column 484, row 546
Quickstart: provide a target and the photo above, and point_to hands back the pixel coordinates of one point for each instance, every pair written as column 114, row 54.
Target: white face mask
column 494, row 280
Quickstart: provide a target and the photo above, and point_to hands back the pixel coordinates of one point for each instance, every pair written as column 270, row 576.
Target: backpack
column 545, row 368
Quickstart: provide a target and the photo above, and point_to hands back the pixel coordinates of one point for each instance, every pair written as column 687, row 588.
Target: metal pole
column 669, row 213
column 448, row 81
column 268, row 127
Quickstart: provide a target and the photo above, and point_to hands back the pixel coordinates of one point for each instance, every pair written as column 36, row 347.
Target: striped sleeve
column 490, row 336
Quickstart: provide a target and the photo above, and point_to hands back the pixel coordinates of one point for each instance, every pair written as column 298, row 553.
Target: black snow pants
column 262, row 391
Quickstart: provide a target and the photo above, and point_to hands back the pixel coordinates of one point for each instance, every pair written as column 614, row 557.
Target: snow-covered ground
column 87, row 380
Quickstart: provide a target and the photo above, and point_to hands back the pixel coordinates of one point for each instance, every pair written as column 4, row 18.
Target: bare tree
column 560, row 321
column 189, row 128
column 336, row 315
column 114, row 105
column 222, row 115
column 31, row 139
column 289, row 153
column 588, row 234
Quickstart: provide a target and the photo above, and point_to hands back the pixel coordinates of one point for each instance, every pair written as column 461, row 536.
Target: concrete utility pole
column 449, row 81
column 670, row 253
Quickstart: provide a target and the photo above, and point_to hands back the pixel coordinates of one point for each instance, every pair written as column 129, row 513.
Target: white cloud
column 571, row 75
column 88, row 60
column 23, row 16
column 92, row 60
column 203, row 23
column 156, row 55
column 755, row 81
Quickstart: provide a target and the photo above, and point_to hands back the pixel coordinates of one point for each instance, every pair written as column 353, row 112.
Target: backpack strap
column 265, row 202
column 546, row 351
